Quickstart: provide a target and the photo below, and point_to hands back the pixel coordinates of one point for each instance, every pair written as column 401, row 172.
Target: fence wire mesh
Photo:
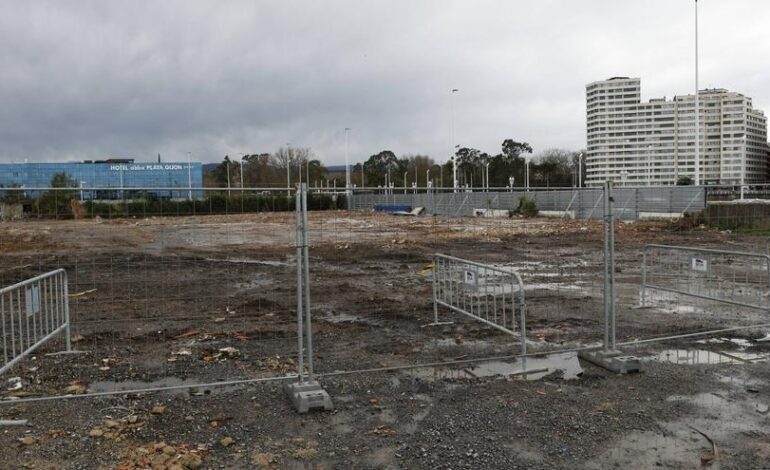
column 183, row 293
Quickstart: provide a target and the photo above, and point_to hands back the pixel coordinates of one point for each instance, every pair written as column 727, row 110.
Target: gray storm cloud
column 107, row 78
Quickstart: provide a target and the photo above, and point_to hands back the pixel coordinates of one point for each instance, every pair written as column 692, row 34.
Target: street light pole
column 697, row 105
column 405, row 173
column 527, row 172
column 242, row 173
column 454, row 156
column 288, row 172
column 347, row 164
column 189, row 175
column 649, row 165
column 743, row 163
column 580, row 170
column 228, row 177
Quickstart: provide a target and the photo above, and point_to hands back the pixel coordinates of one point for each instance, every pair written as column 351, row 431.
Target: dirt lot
column 196, row 300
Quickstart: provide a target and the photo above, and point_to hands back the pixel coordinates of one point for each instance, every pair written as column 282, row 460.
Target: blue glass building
column 109, row 179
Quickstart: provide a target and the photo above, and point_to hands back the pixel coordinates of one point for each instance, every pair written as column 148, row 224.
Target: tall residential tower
column 653, row 143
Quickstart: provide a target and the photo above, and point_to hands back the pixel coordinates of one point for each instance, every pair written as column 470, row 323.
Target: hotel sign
column 152, row 167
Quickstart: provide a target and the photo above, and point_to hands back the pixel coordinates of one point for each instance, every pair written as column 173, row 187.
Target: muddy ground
column 196, row 300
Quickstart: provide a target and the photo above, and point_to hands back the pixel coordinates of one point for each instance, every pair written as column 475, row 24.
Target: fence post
column 609, row 357
column 299, row 241
column 306, row 269
column 305, row 394
column 66, row 296
column 435, row 280
column 643, row 290
column 609, row 274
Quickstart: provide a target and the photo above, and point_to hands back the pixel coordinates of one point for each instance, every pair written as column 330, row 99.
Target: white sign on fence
column 32, row 300
column 700, row 264
column 471, row 278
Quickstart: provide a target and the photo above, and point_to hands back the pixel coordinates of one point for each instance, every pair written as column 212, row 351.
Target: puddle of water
column 691, row 357
column 129, row 385
column 451, row 342
column 567, row 363
column 254, row 283
column 264, row 262
column 345, row 318
column 702, row 356
column 741, row 342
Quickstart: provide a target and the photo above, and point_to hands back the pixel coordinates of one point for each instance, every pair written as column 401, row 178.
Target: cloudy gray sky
column 91, row 79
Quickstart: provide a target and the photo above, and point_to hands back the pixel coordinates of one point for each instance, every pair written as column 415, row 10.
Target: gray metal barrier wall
column 585, row 203
column 486, row 293
column 731, row 277
column 33, row 311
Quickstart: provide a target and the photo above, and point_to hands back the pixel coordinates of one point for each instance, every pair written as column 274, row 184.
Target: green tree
column 684, row 181
column 57, row 201
column 379, row 167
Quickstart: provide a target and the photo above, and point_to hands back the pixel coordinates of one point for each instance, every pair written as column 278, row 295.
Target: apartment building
column 653, row 143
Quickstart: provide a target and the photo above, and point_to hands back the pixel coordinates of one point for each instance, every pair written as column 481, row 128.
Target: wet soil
column 196, row 300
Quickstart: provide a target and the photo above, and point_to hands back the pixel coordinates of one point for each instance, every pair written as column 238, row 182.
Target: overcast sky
column 92, row 79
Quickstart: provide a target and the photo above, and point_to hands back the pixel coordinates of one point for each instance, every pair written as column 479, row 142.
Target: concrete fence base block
column 306, row 396
column 614, row 361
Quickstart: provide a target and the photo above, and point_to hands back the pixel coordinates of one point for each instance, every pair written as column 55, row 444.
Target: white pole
column 405, row 173
column 189, row 175
column 649, row 165
column 427, row 178
column 288, row 173
column 347, row 165
column 454, row 159
column 487, row 176
column 241, row 175
column 697, row 106
column 743, row 163
column 527, row 172
column 580, row 170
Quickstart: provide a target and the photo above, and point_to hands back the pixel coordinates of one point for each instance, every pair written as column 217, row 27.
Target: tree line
column 287, row 166
column 550, row 168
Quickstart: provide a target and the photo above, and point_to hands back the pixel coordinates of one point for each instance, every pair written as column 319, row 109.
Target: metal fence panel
column 731, row 277
column 580, row 203
column 33, row 311
column 489, row 294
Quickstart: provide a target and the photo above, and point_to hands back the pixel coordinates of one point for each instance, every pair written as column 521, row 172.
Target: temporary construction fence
column 161, row 288
column 33, row 312
column 165, row 289
column 487, row 293
column 731, row 277
column 575, row 203
column 306, row 393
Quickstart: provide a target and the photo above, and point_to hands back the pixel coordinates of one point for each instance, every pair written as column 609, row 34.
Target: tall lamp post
column 743, row 163
column 649, row 165
column 697, row 105
column 454, row 156
column 580, row 170
column 527, row 172
column 242, row 156
column 288, row 168
column 189, row 175
column 347, row 164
